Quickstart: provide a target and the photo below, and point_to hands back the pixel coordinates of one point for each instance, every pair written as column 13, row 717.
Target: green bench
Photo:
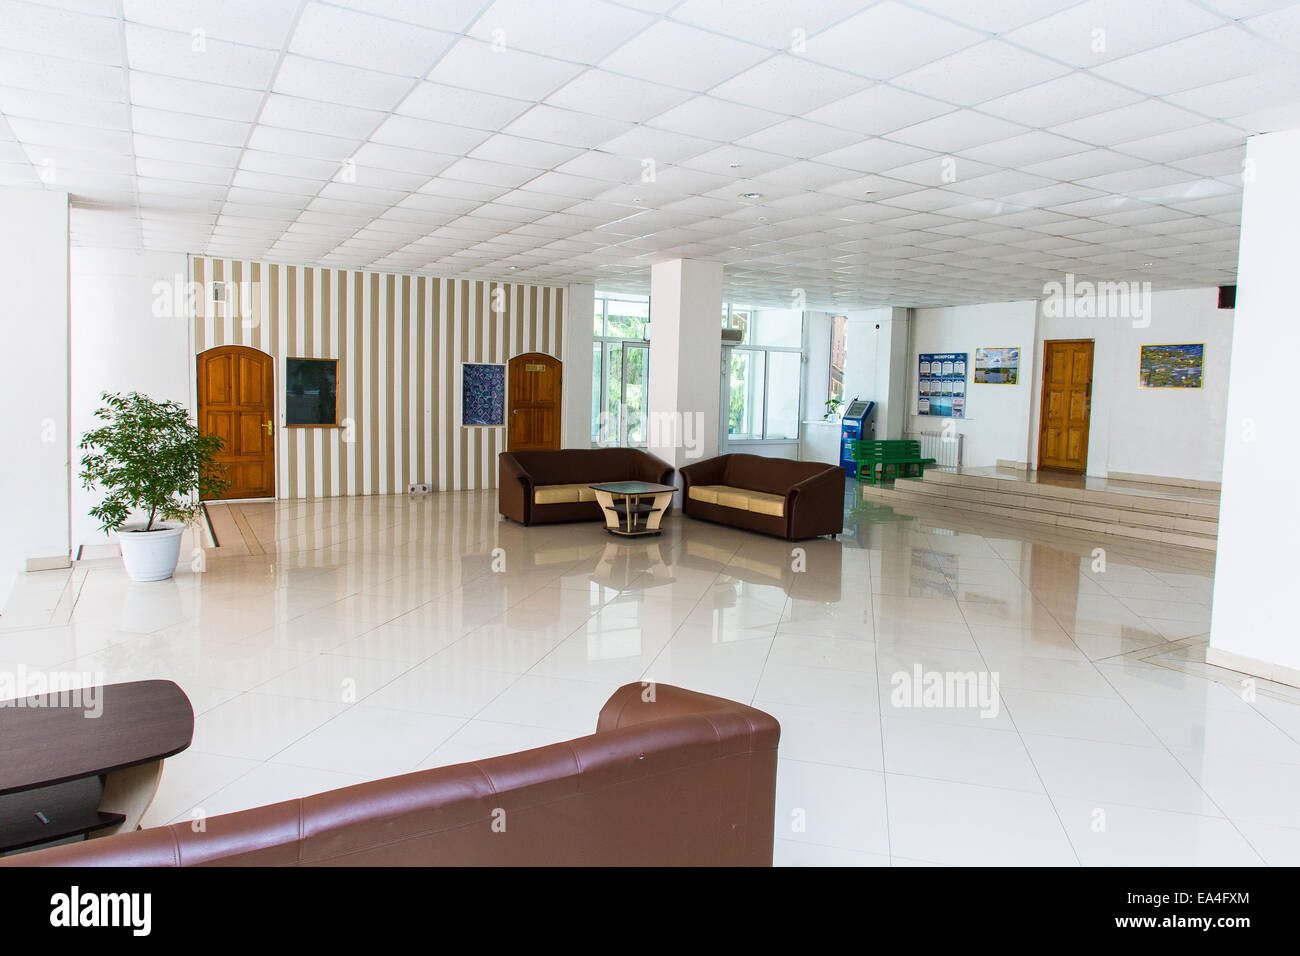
column 902, row 455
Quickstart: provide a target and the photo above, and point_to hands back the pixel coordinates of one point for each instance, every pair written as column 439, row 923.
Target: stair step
column 1174, row 504
column 1193, row 533
column 1013, row 498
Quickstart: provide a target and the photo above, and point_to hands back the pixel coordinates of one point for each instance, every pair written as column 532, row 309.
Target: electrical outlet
column 419, row 488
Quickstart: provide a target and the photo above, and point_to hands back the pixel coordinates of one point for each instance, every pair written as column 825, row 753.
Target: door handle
column 267, row 426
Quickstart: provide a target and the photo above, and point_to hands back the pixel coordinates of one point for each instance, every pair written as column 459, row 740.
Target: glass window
column 745, row 415
column 764, row 387
column 597, row 368
column 783, row 370
column 620, row 370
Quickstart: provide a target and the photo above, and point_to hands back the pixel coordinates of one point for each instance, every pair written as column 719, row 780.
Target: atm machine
column 858, row 423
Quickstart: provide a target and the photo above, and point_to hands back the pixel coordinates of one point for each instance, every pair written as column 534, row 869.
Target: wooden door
column 533, row 415
column 1066, row 404
column 237, row 401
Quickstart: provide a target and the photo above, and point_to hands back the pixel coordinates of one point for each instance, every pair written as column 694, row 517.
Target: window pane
column 783, row 394
column 740, row 319
column 636, row 364
column 626, row 319
column 745, row 414
column 595, row 392
column 613, row 391
column 779, row 328
column 598, row 319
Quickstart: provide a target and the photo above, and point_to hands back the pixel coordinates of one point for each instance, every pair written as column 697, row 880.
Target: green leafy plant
column 149, row 455
column 832, row 406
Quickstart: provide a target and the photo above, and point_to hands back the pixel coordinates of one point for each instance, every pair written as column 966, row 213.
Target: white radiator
column 946, row 450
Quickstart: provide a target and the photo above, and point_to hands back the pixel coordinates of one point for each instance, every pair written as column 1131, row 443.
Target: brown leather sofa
column 539, row 487
column 683, row 780
column 777, row 496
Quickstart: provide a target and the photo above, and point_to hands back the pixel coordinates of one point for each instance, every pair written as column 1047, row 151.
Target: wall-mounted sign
column 483, row 394
column 942, row 384
column 310, row 389
column 997, row 366
column 1172, row 366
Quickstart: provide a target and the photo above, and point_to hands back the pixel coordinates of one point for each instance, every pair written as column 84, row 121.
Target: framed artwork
column 941, row 384
column 997, row 366
column 839, row 355
column 311, row 392
column 483, row 394
column 1172, row 366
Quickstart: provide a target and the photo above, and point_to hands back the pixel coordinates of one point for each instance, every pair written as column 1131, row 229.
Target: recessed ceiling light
column 733, row 165
column 751, row 195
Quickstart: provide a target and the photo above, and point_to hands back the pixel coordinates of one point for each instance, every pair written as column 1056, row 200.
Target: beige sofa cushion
column 765, row 504
column 562, row 494
column 741, row 498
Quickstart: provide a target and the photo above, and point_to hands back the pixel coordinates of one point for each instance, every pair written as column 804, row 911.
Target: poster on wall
column 1172, row 366
column 839, row 354
column 483, row 394
column 942, row 384
column 997, row 366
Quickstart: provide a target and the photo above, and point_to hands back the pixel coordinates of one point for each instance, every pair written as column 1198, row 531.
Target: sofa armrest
column 815, row 506
column 707, row 472
column 514, row 489
column 647, row 701
column 654, row 469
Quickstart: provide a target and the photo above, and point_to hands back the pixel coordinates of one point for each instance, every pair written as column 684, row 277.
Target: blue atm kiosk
column 856, row 425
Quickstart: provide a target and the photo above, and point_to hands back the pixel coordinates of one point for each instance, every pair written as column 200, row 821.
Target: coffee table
column 66, row 773
column 633, row 508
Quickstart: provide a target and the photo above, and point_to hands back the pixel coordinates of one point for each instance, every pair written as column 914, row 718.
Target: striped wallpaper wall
column 400, row 340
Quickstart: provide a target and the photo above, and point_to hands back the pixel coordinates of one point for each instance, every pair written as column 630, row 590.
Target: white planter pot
column 150, row 555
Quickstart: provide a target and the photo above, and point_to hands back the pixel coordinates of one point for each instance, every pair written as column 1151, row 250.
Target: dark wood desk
column 64, row 772
column 627, row 512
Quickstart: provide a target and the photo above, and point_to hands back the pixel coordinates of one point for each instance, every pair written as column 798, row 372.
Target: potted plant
column 149, row 456
column 832, row 407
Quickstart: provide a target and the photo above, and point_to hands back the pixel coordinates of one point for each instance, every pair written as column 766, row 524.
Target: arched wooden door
column 533, row 415
column 236, row 390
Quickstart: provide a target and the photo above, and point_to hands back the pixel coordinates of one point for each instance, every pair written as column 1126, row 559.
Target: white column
column 685, row 360
column 1254, row 625
column 34, row 470
column 575, row 429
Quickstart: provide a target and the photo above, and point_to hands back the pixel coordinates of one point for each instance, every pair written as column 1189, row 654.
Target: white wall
column 34, row 475
column 996, row 425
column 1171, row 433
column 1254, row 622
column 580, row 309
column 126, row 337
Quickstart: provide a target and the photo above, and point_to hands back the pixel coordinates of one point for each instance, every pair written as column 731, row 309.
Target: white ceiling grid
column 868, row 152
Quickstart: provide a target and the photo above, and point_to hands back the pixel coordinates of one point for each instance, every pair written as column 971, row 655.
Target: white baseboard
column 1255, row 668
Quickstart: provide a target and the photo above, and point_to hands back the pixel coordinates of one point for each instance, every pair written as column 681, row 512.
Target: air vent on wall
column 733, row 336
column 1227, row 296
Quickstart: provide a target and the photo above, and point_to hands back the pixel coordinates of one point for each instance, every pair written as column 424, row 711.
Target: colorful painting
column 483, row 394
column 1172, row 366
column 997, row 366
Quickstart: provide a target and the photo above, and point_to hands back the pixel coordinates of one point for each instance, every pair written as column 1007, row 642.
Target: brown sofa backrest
column 685, row 779
column 572, row 465
column 771, row 475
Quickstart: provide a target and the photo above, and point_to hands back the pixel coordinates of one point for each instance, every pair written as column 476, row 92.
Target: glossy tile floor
column 374, row 636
